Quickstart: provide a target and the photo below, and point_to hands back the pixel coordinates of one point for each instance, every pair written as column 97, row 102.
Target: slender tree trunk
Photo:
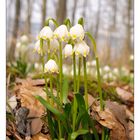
column 129, row 26
column 98, row 20
column 84, row 8
column 61, row 11
column 29, row 14
column 74, row 10
column 44, row 12
column 15, row 30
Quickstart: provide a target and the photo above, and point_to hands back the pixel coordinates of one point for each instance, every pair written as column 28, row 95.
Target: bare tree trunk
column 98, row 20
column 44, row 12
column 127, row 43
column 115, row 12
column 61, row 11
column 74, row 11
column 29, row 14
column 84, row 8
column 15, row 30
column 129, row 26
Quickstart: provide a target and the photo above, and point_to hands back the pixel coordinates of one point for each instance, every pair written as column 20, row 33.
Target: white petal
column 77, row 32
column 51, row 67
column 46, row 33
column 61, row 33
column 68, row 51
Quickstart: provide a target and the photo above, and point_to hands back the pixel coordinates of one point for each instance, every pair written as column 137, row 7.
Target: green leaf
column 65, row 90
column 81, row 102
column 75, row 134
column 92, row 125
column 51, row 108
column 55, row 99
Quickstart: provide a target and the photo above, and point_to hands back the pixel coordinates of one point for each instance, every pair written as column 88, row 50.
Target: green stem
column 103, row 133
column 74, row 72
column 48, row 44
column 59, row 127
column 99, row 83
column 43, row 64
column 60, row 72
column 51, row 89
column 98, row 71
column 79, row 72
column 74, row 102
column 85, row 82
column 98, row 76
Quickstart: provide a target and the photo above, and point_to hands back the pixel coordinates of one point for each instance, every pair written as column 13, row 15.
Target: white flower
column 132, row 57
column 77, row 32
column 106, row 68
column 51, row 67
column 67, row 51
column 105, row 77
column 46, row 33
column 54, row 44
column 18, row 45
column 116, row 71
column 81, row 48
column 37, row 48
column 24, row 39
column 61, row 33
column 93, row 63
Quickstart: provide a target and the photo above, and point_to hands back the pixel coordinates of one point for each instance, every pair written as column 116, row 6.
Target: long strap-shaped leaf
column 51, row 108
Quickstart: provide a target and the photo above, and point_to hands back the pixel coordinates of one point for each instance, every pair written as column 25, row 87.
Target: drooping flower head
column 106, row 68
column 67, row 51
column 37, row 48
column 77, row 32
column 24, row 39
column 51, row 67
column 61, row 33
column 81, row 48
column 54, row 44
column 46, row 33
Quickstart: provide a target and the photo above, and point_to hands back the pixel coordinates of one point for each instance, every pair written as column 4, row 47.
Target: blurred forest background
column 110, row 21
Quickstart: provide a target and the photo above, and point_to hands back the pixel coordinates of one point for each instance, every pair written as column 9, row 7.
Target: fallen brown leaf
column 113, row 117
column 125, row 95
column 41, row 136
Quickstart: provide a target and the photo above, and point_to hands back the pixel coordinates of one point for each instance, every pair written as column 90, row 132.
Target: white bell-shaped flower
column 81, row 48
column 46, row 33
column 106, row 68
column 67, row 51
column 24, row 39
column 51, row 67
column 37, row 48
column 61, row 33
column 54, row 44
column 77, row 32
column 132, row 57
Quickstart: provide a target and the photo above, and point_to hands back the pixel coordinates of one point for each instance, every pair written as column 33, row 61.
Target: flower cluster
column 73, row 40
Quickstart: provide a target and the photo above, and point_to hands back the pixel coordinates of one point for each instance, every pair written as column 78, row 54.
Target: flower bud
column 51, row 67
column 46, row 33
column 67, row 51
column 61, row 33
column 77, row 32
column 81, row 48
